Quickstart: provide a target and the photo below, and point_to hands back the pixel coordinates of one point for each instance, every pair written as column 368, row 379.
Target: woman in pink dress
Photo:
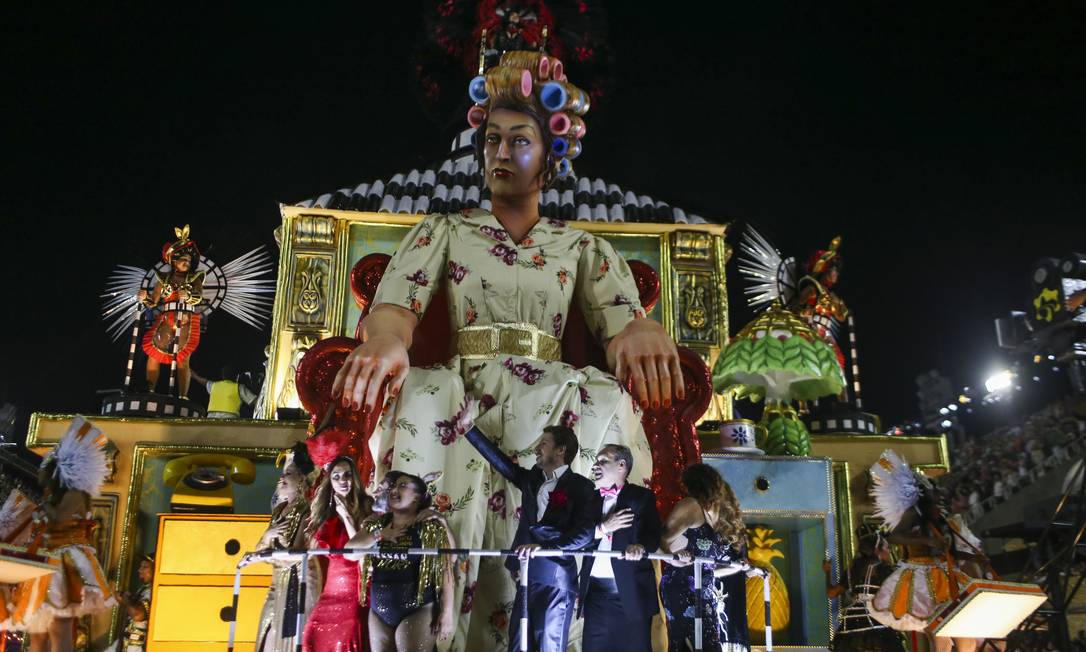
column 337, row 623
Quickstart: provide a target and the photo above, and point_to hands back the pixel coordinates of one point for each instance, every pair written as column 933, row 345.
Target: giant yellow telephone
column 204, row 483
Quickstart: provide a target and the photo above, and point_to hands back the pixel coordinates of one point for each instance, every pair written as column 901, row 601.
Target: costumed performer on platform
column 137, row 606
column 705, row 524
column 620, row 595
column 412, row 601
column 928, row 576
column 286, row 531
column 870, row 567
column 183, row 287
column 511, row 279
column 337, row 622
column 47, row 607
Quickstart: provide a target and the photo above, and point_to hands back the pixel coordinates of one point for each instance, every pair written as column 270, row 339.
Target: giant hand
column 381, row 358
column 645, row 356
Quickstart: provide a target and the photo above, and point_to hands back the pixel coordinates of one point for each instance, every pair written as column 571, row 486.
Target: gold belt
column 520, row 339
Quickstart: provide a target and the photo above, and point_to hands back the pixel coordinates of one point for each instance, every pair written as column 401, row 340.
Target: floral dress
column 489, row 279
column 724, row 600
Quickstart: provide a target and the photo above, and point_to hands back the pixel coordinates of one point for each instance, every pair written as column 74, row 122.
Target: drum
column 987, row 609
column 18, row 565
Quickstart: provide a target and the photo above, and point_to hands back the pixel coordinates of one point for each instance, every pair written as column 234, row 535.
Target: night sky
column 945, row 143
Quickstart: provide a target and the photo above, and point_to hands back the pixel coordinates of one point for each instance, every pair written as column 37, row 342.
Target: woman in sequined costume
column 337, row 622
column 928, row 576
column 705, row 524
column 48, row 607
column 286, row 531
column 412, row 599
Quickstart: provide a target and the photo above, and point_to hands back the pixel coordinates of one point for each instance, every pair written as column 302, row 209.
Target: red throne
column 670, row 430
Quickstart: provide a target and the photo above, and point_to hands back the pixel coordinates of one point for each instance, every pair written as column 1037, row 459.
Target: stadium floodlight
column 999, row 381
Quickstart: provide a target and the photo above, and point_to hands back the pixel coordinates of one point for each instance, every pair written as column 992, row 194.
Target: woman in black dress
column 706, row 524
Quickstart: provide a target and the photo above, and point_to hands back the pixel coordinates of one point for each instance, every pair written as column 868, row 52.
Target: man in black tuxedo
column 619, row 596
column 555, row 514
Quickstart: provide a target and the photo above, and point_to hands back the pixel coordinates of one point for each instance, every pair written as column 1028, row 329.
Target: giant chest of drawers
column 197, row 555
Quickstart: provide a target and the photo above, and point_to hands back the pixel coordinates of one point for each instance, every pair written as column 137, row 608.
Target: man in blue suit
column 556, row 515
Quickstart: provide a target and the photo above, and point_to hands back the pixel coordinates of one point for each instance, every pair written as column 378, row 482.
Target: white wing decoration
column 238, row 287
column 770, row 277
column 120, row 306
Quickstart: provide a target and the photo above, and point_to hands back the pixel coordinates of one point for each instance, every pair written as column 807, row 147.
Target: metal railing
column 302, row 557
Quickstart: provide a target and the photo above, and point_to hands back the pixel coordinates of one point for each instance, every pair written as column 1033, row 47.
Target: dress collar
column 488, row 223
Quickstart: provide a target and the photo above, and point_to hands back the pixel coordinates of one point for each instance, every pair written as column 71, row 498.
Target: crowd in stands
column 986, row 471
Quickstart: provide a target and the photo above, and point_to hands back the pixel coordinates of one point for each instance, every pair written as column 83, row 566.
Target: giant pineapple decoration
column 761, row 550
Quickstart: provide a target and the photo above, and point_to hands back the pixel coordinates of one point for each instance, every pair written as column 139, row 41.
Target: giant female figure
column 511, row 279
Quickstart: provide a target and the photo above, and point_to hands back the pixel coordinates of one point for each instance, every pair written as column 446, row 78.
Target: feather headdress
column 896, row 488
column 80, row 458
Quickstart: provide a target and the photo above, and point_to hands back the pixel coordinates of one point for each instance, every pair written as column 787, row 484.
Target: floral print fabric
column 489, row 279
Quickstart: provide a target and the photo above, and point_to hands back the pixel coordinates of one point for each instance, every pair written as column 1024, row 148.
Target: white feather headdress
column 80, row 458
column 895, row 487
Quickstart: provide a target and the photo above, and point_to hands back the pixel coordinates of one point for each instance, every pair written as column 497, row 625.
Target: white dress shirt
column 601, row 567
column 549, row 483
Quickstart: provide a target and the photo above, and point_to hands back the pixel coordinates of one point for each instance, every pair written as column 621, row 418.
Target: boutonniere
column 558, row 498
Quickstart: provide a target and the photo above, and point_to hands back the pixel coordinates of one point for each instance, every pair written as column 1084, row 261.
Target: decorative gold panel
column 692, row 246
column 310, row 292
column 698, row 314
column 314, row 231
column 288, row 396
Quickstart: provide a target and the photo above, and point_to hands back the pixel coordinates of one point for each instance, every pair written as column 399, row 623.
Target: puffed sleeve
column 416, row 269
column 606, row 291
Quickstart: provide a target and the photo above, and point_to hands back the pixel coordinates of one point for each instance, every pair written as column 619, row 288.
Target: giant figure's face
column 513, row 154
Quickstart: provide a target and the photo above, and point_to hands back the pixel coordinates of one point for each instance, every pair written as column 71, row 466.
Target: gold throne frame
column 318, row 248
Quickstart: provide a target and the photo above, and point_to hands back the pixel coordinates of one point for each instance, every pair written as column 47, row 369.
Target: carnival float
column 186, row 497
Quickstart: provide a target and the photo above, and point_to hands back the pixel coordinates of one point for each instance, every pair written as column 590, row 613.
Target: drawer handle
column 233, row 547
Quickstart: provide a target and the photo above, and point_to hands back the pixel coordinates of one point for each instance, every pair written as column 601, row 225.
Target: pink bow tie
column 610, row 492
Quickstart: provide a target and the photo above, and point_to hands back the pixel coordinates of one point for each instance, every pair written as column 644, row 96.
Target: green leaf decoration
column 786, row 435
column 800, row 368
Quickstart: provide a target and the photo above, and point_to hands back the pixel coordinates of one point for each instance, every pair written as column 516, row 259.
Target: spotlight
column 1000, row 381
column 943, row 411
column 953, row 407
column 946, row 423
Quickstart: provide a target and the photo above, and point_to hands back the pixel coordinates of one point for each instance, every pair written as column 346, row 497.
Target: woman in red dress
column 337, row 623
